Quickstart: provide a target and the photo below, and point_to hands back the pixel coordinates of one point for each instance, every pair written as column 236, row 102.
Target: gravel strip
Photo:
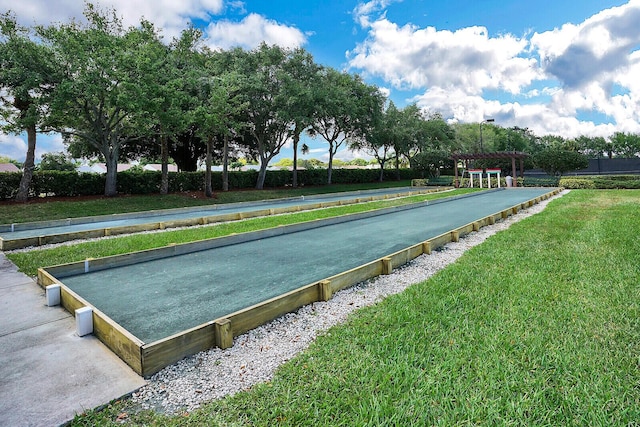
column 255, row 355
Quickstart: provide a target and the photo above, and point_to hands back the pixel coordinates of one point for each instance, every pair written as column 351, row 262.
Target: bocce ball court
column 155, row 307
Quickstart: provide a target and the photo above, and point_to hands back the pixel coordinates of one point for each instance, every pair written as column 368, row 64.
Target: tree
column 269, row 129
column 436, row 134
column 175, row 86
column 296, row 103
column 378, row 141
column 186, row 149
column 556, row 161
column 593, row 147
column 358, row 162
column 27, row 76
column 625, row 145
column 466, row 138
column 56, row 162
column 284, row 163
column 346, row 109
column 407, row 134
column 221, row 106
column 102, row 101
column 431, row 161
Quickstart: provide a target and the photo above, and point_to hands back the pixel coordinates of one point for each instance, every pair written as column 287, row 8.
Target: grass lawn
column 44, row 210
column 540, row 325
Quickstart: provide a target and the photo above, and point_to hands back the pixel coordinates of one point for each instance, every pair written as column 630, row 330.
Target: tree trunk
column 296, row 140
column 330, row 166
column 164, row 153
column 262, row 175
column 29, row 164
column 208, row 191
column 225, row 164
column 111, row 185
column 397, row 168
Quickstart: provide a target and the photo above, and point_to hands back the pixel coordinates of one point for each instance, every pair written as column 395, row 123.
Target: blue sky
column 560, row 67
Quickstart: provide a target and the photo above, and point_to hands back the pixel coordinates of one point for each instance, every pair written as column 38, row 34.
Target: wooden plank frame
column 149, row 358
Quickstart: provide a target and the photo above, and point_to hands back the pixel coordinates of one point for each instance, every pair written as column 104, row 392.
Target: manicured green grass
column 48, row 210
column 29, row 262
column 540, row 325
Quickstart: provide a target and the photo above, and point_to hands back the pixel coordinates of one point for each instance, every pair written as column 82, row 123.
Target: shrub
column 187, row 181
column 66, row 183
column 577, row 183
column 611, row 183
column 541, row 182
column 9, row 184
column 136, row 181
column 139, row 182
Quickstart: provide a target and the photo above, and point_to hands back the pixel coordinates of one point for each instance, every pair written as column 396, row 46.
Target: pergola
column 513, row 155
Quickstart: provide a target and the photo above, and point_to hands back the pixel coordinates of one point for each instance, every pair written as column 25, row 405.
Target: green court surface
column 159, row 298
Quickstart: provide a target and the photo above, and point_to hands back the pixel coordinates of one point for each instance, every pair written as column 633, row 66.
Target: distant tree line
column 118, row 94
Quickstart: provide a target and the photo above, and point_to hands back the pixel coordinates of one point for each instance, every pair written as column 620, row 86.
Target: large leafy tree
column 431, row 161
column 173, row 88
column 475, row 137
column 56, row 162
column 346, row 109
column 408, row 131
column 296, row 103
column 436, row 134
column 269, row 131
column 625, row 144
column 593, row 147
column 556, row 160
column 221, row 107
column 103, row 101
column 380, row 139
column 27, row 76
column 432, row 150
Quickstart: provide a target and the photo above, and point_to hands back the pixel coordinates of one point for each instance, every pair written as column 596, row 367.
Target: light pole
column 484, row 121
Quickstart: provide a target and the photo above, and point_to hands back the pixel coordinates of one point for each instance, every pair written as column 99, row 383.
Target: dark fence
column 603, row 166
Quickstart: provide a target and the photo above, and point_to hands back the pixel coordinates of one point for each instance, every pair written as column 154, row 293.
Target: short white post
column 472, row 173
column 53, row 295
column 495, row 172
column 84, row 321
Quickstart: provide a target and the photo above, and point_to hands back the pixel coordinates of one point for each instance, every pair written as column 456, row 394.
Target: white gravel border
column 255, row 355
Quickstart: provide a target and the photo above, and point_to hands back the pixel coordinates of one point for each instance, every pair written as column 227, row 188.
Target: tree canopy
column 119, row 94
column 27, row 77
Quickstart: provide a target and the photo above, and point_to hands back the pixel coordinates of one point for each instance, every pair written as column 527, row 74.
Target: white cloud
column 592, row 50
column 169, row 15
column 251, row 31
column 13, row 146
column 545, row 81
column 363, row 10
column 49, row 144
column 411, row 57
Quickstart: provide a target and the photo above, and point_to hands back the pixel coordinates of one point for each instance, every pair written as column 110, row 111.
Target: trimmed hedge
column 604, row 182
column 539, row 182
column 58, row 183
column 577, row 183
column 9, row 184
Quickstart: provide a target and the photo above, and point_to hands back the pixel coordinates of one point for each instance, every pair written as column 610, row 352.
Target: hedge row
column 602, row 182
column 57, row 183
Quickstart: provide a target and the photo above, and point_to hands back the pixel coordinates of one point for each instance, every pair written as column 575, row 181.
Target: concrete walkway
column 47, row 373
